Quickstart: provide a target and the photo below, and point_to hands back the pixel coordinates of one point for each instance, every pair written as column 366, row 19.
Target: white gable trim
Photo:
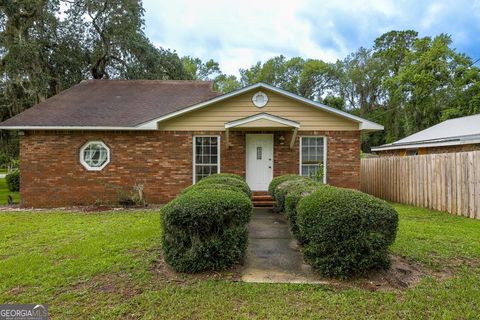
column 363, row 124
column 259, row 116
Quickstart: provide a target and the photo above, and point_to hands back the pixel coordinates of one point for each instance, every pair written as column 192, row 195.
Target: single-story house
column 85, row 144
column 454, row 135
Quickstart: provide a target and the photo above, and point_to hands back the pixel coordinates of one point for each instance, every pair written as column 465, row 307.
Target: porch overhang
column 263, row 122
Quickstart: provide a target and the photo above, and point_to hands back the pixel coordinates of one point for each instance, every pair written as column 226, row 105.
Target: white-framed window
column 94, row 155
column 206, row 156
column 313, row 157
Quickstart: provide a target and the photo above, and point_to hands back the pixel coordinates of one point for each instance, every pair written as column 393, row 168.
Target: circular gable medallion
column 259, row 99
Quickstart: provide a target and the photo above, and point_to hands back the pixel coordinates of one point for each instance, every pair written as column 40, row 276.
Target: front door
column 259, row 149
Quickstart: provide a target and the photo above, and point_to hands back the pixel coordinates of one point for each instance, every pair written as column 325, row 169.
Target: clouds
column 240, row 33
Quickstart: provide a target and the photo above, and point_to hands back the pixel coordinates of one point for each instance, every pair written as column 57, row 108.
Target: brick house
column 83, row 145
column 454, row 135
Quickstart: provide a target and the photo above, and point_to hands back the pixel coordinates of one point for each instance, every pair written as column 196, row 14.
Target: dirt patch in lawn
column 401, row 275
column 119, row 283
column 165, row 273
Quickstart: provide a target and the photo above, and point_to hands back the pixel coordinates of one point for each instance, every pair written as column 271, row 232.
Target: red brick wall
column 52, row 176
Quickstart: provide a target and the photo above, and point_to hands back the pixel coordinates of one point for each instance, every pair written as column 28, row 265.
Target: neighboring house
column 80, row 146
column 454, row 135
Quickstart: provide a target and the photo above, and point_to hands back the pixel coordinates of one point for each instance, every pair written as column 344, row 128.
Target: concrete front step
column 263, row 204
column 262, row 199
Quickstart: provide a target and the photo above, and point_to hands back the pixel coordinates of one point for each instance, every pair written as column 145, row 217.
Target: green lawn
column 4, row 192
column 103, row 265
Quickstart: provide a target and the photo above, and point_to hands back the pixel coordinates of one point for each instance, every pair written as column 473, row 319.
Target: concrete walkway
column 273, row 254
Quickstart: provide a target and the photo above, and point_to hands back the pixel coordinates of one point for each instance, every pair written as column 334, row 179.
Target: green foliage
column 293, row 197
column 5, row 193
column 13, row 180
column 205, row 229
column 196, row 69
column 226, row 175
column 210, row 186
column 228, row 181
column 280, row 179
column 284, row 188
column 346, row 232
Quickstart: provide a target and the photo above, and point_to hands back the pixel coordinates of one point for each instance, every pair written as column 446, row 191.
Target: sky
column 239, row 33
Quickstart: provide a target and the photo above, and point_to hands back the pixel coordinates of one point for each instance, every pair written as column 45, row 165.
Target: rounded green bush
column 205, row 229
column 13, row 180
column 287, row 186
column 227, row 175
column 233, row 182
column 278, row 180
column 297, row 193
column 347, row 232
column 218, row 186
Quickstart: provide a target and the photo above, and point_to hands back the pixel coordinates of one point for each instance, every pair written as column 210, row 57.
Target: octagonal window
column 94, row 155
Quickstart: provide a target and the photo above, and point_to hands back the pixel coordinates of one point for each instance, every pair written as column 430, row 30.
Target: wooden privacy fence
column 446, row 182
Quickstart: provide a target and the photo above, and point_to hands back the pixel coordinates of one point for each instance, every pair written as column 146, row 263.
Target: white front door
column 259, row 154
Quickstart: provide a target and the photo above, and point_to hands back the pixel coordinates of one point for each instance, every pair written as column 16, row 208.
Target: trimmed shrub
column 210, row 186
column 226, row 175
column 233, row 182
column 287, row 186
column 280, row 179
column 13, row 180
column 205, row 229
column 292, row 198
column 347, row 232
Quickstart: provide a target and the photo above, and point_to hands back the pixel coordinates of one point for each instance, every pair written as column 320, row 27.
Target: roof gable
column 364, row 124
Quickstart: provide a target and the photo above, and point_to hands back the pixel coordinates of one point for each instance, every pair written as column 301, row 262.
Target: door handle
column 269, row 167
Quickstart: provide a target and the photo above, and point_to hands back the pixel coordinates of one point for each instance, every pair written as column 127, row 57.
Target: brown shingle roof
column 114, row 103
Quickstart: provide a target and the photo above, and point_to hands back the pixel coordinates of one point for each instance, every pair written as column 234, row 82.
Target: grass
column 4, row 192
column 100, row 266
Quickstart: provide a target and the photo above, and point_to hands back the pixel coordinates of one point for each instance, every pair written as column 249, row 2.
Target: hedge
column 205, row 229
column 13, row 180
column 347, row 232
column 211, row 186
column 282, row 190
column 292, row 198
column 280, row 179
column 226, row 175
column 228, row 181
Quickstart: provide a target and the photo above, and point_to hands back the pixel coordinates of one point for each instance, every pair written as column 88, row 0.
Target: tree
column 277, row 71
column 393, row 49
column 36, row 59
column 317, row 79
column 430, row 81
column 196, row 69
column 41, row 54
column 115, row 44
column 224, row 83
